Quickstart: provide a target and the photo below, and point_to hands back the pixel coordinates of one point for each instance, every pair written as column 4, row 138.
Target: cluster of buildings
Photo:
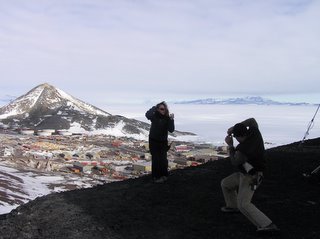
column 102, row 157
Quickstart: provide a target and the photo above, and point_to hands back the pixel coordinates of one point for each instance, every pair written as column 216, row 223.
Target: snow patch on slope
column 16, row 107
column 26, row 186
column 82, row 105
column 117, row 130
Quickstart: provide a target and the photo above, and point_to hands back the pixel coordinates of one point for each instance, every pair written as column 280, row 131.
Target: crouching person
column 239, row 187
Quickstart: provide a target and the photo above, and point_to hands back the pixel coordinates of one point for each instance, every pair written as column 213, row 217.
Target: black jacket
column 253, row 149
column 160, row 125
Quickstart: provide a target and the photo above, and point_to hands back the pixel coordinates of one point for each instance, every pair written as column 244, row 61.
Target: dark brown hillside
column 187, row 206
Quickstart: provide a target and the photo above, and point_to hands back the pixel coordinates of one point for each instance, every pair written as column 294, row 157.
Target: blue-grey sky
column 138, row 50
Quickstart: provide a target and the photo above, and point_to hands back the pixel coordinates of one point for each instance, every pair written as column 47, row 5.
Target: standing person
column 239, row 187
column 161, row 123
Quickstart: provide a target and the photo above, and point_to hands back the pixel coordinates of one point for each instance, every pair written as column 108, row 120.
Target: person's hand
column 171, row 116
column 230, row 130
column 229, row 140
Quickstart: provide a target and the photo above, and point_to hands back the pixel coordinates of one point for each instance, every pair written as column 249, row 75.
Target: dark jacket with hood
column 160, row 125
column 253, row 149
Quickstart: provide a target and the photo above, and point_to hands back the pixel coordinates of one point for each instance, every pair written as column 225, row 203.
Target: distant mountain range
column 253, row 100
column 46, row 107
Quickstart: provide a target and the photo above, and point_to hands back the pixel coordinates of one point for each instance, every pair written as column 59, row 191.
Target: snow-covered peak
column 46, row 97
column 46, row 107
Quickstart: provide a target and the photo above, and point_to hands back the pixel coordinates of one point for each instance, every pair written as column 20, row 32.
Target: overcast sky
column 105, row 51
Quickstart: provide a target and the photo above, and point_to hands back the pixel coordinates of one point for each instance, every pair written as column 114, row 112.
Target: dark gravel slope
column 187, row 206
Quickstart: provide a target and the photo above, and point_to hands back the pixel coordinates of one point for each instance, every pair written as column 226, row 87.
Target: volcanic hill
column 46, row 107
column 186, row 206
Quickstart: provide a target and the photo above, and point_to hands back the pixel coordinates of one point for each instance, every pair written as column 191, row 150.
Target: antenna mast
column 310, row 126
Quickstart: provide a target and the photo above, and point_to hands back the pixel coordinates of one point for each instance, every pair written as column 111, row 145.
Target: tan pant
column 237, row 192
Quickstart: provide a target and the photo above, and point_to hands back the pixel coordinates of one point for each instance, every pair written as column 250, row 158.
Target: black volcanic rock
column 186, row 206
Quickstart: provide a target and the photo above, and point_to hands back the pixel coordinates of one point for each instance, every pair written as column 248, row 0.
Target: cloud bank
column 145, row 49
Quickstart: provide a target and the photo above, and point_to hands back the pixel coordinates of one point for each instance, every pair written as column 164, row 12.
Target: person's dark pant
column 158, row 150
